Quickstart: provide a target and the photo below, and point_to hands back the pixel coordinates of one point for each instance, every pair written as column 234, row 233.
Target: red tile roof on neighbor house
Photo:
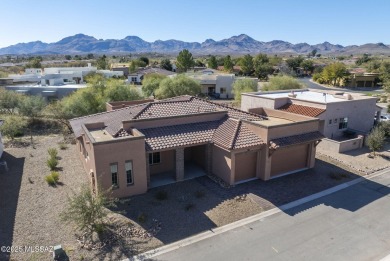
column 301, row 109
column 177, row 106
column 227, row 133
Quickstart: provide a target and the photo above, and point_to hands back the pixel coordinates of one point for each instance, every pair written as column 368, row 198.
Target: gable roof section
column 245, row 138
column 181, row 105
column 296, row 139
column 301, row 109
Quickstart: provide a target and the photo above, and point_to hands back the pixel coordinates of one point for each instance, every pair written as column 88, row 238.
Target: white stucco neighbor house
column 337, row 111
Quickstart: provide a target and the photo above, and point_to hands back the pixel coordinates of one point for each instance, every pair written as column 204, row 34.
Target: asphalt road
column 351, row 224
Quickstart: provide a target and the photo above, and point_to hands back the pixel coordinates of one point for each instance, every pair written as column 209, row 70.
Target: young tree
column 184, row 60
column 262, row 66
column 246, row 63
column 151, row 83
column 228, row 64
column 132, row 67
column 32, row 106
column 243, row 85
column 295, row 62
column 307, row 65
column 88, row 210
column 282, row 83
column 119, row 91
column 212, row 62
column 375, row 139
column 102, row 62
column 10, row 101
column 166, row 64
column 179, row 85
column 144, row 59
column 34, row 63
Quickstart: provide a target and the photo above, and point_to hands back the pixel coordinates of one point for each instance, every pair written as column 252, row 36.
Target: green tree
column 68, row 57
column 9, row 101
column 313, row 52
column 88, row 211
column 246, row 63
column 90, row 56
column 335, row 74
column 364, row 59
column 385, row 75
column 282, row 83
column 262, row 66
column 32, row 106
column 34, row 63
column 145, row 60
column 212, row 62
column 102, row 62
column 295, row 62
column 307, row 65
column 243, row 85
column 228, row 64
column 184, row 60
column 375, row 139
column 132, row 67
column 166, row 64
column 176, row 86
column 13, row 126
column 119, row 91
column 151, row 83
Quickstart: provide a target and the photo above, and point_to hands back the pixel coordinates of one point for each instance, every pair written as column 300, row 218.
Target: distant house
column 138, row 76
column 135, row 148
column 360, row 78
column 121, row 68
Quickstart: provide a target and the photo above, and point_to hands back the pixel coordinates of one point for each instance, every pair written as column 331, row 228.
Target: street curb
column 251, row 219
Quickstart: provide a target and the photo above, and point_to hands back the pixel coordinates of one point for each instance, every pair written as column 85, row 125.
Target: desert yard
column 30, row 208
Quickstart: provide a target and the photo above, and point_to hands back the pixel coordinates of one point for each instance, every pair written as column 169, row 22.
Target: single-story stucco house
column 132, row 148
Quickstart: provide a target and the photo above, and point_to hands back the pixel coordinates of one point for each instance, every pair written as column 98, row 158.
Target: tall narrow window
column 154, row 158
column 129, row 172
column 114, row 174
column 343, row 123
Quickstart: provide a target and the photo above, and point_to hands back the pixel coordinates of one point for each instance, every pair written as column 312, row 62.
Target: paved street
column 351, row 224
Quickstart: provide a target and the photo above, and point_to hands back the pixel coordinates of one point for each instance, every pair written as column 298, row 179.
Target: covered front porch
column 170, row 166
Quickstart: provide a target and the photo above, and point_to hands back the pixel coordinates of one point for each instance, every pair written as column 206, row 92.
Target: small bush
column 52, row 152
column 189, row 206
column 50, row 180
column 63, row 146
column 99, row 228
column 161, row 195
column 52, row 163
column 199, row 194
column 56, row 176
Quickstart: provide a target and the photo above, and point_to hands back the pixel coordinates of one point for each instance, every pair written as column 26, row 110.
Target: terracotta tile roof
column 179, row 135
column 303, row 110
column 181, row 105
column 246, row 138
column 224, row 135
column 296, row 139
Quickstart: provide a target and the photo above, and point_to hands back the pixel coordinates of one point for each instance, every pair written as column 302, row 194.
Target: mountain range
column 241, row 44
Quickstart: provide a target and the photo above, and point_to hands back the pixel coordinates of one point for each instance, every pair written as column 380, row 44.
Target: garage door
column 289, row 159
column 245, row 166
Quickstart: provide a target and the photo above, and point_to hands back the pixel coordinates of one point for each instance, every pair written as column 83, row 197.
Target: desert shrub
column 282, row 83
column 63, row 146
column 52, row 152
column 56, row 176
column 52, row 163
column 50, row 180
column 142, row 217
column 161, row 195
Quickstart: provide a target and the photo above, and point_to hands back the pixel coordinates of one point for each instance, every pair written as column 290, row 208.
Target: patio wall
column 341, row 146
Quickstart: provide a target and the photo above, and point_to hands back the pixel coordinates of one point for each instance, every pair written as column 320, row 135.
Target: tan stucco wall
column 248, row 102
column 221, row 165
column 292, row 129
column 289, row 159
column 120, row 152
column 245, row 165
column 167, row 163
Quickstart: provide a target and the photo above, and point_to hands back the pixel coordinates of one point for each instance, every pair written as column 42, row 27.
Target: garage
column 289, row 159
column 245, row 166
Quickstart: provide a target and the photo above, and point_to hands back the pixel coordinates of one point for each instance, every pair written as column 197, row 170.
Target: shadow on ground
column 9, row 194
column 183, row 213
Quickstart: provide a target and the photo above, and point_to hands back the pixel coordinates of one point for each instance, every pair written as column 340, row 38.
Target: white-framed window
column 114, row 174
column 154, row 158
column 343, row 124
column 129, row 172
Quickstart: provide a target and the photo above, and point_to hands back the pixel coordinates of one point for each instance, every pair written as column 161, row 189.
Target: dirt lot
column 29, row 208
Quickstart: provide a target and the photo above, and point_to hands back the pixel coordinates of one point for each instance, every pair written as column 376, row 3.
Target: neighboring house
column 216, row 83
column 362, row 80
column 146, row 145
column 336, row 110
column 121, row 68
column 138, row 76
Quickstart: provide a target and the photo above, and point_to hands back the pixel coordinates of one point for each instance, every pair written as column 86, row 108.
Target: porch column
column 209, row 158
column 147, row 170
column 179, row 164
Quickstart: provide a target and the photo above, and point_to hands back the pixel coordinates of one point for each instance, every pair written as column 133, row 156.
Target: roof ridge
column 143, row 110
column 235, row 136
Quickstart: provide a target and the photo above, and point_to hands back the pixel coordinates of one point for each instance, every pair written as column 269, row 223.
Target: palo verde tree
column 283, row 82
column 243, row 85
column 176, row 86
column 184, row 60
column 166, row 64
column 375, row 139
column 151, row 83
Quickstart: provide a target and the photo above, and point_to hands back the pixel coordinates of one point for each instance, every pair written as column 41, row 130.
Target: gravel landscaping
column 29, row 208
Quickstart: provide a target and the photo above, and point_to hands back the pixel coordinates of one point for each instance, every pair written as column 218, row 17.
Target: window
column 222, row 90
column 343, row 124
column 129, row 172
column 335, row 121
column 154, row 158
column 134, row 79
column 330, row 122
column 114, row 174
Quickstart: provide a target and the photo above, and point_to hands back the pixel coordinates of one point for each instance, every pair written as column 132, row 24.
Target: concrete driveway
column 351, row 224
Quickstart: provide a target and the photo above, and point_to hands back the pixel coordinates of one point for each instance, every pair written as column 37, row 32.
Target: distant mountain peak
column 238, row 44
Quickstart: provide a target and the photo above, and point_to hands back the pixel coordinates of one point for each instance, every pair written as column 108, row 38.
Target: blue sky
column 313, row 21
